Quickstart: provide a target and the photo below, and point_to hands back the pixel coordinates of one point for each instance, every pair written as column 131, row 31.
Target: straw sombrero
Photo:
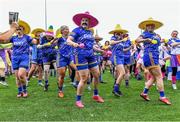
column 25, row 25
column 143, row 24
column 118, row 29
column 36, row 30
column 92, row 30
column 98, row 38
column 92, row 20
column 58, row 33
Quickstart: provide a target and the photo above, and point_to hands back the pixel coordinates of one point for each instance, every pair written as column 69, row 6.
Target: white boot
column 174, row 86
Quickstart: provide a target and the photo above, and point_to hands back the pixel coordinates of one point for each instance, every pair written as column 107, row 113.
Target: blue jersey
column 176, row 49
column 148, row 46
column 48, row 49
column 36, row 52
column 127, row 44
column 117, row 49
column 82, row 35
column 21, row 44
column 64, row 49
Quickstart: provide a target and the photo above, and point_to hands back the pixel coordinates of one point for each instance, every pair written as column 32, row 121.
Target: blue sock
column 77, row 82
column 127, row 82
column 78, row 98
column 100, row 77
column 89, row 82
column 24, row 88
column 116, row 87
column 46, row 82
column 39, row 81
column 60, row 88
column 19, row 89
column 95, row 92
column 115, row 81
column 162, row 94
column 145, row 90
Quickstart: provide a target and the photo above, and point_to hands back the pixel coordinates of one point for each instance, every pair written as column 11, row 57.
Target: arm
column 166, row 58
column 34, row 41
column 4, row 37
column 54, row 41
column 140, row 39
column 127, row 49
column 174, row 44
column 71, row 43
column 112, row 42
column 98, row 49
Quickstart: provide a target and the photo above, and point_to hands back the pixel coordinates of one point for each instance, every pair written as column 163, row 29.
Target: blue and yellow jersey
column 21, row 44
column 82, row 35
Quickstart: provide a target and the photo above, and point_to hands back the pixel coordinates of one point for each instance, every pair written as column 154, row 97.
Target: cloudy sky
column 127, row 13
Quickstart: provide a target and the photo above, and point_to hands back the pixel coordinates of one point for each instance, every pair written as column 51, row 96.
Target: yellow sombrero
column 58, row 33
column 36, row 30
column 25, row 25
column 118, row 29
column 143, row 24
column 92, row 30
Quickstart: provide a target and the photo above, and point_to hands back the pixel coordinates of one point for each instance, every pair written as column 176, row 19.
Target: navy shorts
column 20, row 61
column 85, row 61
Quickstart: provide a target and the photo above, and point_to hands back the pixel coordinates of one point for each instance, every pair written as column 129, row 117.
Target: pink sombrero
column 92, row 20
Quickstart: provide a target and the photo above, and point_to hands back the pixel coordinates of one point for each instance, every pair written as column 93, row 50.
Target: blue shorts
column 37, row 61
column 20, row 61
column 49, row 58
column 127, row 60
column 150, row 60
column 98, row 59
column 117, row 59
column 63, row 61
column 85, row 61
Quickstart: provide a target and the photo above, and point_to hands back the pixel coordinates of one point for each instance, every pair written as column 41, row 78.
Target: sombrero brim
column 92, row 20
column 143, row 24
column 37, row 30
column 118, row 31
column 25, row 25
column 98, row 38
column 58, row 32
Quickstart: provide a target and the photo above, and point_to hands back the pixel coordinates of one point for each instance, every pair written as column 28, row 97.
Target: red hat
column 92, row 20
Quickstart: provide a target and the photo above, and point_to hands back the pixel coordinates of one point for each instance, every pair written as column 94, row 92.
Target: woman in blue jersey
column 20, row 56
column 64, row 57
column 127, row 56
column 82, row 39
column 151, row 42
column 98, row 53
column 48, row 53
column 174, row 43
column 117, row 57
column 36, row 60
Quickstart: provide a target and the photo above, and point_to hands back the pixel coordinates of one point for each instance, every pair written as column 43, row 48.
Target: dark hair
column 175, row 31
column 107, row 42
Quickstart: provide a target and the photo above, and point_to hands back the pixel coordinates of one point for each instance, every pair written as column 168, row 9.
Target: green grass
column 46, row 106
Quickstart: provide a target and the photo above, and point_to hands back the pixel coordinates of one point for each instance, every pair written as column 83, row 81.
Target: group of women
column 81, row 53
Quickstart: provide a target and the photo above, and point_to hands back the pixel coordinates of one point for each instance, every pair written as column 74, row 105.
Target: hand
column 148, row 40
column 47, row 44
column 75, row 45
column 39, row 46
column 125, row 39
column 14, row 26
column 81, row 45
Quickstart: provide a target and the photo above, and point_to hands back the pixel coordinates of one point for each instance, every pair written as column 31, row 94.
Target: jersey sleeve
column 75, row 33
